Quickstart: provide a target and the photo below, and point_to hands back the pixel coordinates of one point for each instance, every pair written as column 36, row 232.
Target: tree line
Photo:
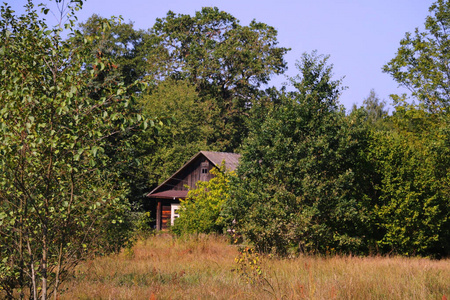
column 93, row 121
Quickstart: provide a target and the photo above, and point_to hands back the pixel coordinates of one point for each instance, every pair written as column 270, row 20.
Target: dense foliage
column 201, row 211
column 314, row 179
column 119, row 44
column 61, row 199
column 178, row 102
column 301, row 177
column 225, row 61
column 413, row 163
column 412, row 158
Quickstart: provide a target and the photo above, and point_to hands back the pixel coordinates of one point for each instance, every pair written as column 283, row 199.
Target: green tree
column 421, row 63
column 201, row 211
column 120, row 46
column 300, row 178
column 189, row 117
column 60, row 198
column 225, row 61
column 119, row 42
column 375, row 108
column 413, row 163
column 412, row 158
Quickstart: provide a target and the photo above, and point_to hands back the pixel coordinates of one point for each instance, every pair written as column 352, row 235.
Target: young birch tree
column 60, row 199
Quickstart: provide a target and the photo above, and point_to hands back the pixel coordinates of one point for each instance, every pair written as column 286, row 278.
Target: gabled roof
column 170, row 194
column 231, row 161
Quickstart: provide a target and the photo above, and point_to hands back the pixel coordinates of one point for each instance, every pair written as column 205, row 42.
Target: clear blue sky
column 359, row 35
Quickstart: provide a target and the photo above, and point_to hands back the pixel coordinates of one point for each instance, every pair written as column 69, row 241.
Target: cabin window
column 204, row 171
column 175, row 208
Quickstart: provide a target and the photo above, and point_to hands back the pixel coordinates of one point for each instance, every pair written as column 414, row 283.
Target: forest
column 94, row 115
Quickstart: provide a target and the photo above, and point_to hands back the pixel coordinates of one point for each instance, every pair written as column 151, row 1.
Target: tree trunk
column 58, row 271
column 21, row 250
column 44, row 262
column 33, row 272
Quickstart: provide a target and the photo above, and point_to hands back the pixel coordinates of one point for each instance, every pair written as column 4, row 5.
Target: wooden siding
column 197, row 171
column 165, row 218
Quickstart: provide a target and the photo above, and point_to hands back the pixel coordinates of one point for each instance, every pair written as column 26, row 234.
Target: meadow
column 205, row 267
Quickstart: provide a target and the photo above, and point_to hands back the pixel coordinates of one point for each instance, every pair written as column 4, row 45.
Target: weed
column 248, row 266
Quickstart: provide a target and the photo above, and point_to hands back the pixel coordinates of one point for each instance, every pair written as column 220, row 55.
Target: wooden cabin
column 168, row 194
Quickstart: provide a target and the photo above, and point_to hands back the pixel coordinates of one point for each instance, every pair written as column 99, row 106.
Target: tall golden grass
column 164, row 267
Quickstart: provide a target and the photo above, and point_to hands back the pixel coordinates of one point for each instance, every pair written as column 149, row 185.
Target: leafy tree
column 60, row 197
column 200, row 212
column 421, row 63
column 178, row 103
column 375, row 108
column 225, row 61
column 413, row 162
column 300, row 183
column 120, row 45
column 412, row 158
column 119, row 42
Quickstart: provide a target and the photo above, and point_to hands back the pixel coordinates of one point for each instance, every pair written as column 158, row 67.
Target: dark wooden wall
column 197, row 171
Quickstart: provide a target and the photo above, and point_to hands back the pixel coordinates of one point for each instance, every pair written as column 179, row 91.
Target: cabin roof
column 231, row 161
column 169, row 194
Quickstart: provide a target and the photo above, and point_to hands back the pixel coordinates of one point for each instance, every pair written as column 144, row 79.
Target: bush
column 200, row 212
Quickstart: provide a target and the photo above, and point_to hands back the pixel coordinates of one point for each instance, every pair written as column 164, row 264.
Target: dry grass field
column 163, row 267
